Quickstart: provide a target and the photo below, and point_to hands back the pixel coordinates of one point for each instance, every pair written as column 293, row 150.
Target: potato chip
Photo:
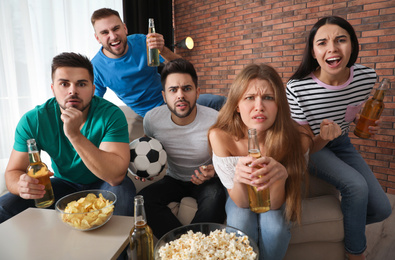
column 94, row 207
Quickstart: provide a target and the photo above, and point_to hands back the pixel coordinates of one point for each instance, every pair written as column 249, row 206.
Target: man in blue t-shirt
column 85, row 136
column 121, row 65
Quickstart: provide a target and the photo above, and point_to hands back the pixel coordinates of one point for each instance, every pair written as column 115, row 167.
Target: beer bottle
column 371, row 111
column 152, row 54
column 38, row 170
column 259, row 200
column 141, row 238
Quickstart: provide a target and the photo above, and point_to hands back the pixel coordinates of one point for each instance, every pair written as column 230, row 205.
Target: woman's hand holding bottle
column 261, row 172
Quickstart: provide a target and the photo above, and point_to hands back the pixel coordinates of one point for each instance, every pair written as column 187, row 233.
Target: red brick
column 385, row 11
column 362, row 14
column 318, row 3
column 390, row 191
column 379, row 5
column 364, row 40
column 333, row 6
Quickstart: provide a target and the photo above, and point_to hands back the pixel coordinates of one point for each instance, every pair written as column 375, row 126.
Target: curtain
column 32, row 33
column 137, row 12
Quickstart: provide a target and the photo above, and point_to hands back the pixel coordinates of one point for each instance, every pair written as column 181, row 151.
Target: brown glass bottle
column 259, row 200
column 152, row 54
column 141, row 237
column 38, row 170
column 371, row 111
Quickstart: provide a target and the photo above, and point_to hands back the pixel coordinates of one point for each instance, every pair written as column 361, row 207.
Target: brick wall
column 229, row 34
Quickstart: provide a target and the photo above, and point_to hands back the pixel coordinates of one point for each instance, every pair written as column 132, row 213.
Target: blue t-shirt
column 105, row 123
column 132, row 80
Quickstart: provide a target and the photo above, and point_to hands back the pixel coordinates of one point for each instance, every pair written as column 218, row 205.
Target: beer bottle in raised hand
column 371, row 111
column 152, row 54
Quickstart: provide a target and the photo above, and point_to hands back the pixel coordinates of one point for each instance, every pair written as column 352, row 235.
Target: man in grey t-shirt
column 182, row 127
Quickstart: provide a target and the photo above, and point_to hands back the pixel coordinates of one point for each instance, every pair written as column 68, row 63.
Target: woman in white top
column 257, row 100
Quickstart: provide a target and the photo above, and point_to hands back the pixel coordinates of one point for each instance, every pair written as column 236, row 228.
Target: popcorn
column 217, row 245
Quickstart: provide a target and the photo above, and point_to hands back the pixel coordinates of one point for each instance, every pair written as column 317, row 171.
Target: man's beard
column 108, row 48
column 174, row 111
column 74, row 97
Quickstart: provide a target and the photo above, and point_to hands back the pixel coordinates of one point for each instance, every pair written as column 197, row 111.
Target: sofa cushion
column 322, row 221
column 316, row 251
column 188, row 207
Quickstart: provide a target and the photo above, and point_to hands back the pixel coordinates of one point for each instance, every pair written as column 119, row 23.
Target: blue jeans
column 211, row 100
column 210, row 197
column 11, row 204
column 363, row 199
column 269, row 230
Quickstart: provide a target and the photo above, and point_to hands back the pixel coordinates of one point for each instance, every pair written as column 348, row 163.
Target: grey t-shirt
column 186, row 146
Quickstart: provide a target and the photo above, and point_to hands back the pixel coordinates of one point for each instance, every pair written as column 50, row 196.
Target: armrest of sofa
column 3, row 187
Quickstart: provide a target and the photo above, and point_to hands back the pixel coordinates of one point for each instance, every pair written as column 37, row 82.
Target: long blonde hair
column 283, row 139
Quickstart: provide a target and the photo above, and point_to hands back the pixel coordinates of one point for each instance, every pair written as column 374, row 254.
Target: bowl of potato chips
column 86, row 210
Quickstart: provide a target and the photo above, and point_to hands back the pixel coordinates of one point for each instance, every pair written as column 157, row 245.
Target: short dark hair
column 178, row 66
column 103, row 13
column 309, row 64
column 71, row 59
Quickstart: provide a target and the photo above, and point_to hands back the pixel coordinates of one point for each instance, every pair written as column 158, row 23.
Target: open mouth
column 333, row 61
column 181, row 105
column 259, row 118
column 115, row 44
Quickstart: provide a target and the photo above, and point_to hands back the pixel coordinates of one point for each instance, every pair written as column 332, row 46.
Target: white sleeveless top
column 225, row 168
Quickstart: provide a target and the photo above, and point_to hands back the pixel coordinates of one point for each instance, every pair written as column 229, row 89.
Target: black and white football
column 147, row 157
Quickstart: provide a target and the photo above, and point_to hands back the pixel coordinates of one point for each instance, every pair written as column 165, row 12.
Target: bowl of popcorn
column 86, row 210
column 206, row 241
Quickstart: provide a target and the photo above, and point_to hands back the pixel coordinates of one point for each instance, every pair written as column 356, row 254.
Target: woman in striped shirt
column 325, row 94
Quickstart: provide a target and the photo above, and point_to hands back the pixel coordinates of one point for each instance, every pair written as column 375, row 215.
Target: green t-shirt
column 105, row 123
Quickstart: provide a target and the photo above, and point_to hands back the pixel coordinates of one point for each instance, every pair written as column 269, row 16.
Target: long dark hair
column 309, row 63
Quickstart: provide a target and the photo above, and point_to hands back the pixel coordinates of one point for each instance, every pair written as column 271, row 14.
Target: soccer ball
column 147, row 157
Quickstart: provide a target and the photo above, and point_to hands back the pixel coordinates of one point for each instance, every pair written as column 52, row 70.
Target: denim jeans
column 269, row 230
column 210, row 197
column 211, row 100
column 363, row 199
column 11, row 204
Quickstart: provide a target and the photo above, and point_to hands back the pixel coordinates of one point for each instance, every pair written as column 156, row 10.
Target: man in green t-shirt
column 85, row 136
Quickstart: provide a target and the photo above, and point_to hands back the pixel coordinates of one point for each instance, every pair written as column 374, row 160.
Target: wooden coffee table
column 40, row 234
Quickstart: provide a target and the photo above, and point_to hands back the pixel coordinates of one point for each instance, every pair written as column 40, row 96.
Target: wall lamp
column 186, row 43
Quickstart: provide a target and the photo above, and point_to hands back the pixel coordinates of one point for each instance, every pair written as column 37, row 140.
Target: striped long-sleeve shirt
column 311, row 100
